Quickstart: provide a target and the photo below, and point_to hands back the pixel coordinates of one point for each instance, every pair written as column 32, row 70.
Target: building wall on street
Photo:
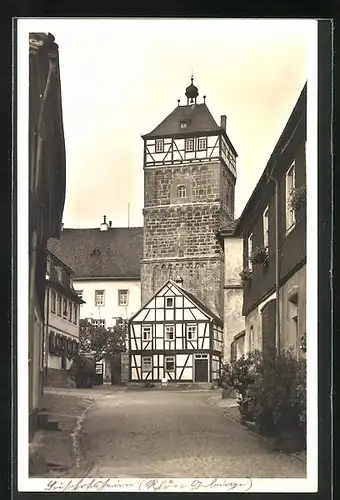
column 61, row 324
column 234, row 321
column 253, row 324
column 291, row 330
column 111, row 308
column 36, row 361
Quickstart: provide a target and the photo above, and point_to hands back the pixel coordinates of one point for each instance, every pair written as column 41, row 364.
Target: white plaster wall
column 234, row 321
column 111, row 309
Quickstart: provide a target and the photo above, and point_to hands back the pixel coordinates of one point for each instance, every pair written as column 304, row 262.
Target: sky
column 121, row 78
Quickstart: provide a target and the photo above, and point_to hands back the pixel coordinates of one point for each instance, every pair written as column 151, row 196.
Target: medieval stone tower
column 189, row 182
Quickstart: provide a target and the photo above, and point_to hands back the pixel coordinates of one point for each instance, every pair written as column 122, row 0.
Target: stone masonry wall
column 201, row 276
column 179, row 233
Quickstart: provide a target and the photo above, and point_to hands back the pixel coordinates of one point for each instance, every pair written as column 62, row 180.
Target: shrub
column 239, row 375
column 276, row 399
column 272, row 391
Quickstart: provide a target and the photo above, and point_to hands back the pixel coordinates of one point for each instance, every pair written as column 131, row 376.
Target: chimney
column 110, row 223
column 179, row 281
column 103, row 225
column 224, row 122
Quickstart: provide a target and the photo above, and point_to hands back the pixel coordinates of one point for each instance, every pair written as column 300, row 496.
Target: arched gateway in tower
column 189, row 182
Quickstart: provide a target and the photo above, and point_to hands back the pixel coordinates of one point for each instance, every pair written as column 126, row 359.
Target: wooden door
column 201, row 369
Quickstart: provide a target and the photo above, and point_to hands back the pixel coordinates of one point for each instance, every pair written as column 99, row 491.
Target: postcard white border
column 308, row 484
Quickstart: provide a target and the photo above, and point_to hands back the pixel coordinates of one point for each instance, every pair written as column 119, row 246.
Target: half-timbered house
column 175, row 336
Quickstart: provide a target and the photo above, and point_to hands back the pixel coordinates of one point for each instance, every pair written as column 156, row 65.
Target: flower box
column 259, row 256
column 246, row 274
column 297, row 198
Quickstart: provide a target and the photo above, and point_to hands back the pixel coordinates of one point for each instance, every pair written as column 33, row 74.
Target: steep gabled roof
column 91, row 253
column 197, row 116
column 191, row 297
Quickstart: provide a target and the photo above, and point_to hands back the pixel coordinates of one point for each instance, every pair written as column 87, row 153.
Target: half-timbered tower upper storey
column 189, row 183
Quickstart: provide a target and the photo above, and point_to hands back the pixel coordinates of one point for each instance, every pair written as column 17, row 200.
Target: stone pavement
column 54, row 453
column 156, row 433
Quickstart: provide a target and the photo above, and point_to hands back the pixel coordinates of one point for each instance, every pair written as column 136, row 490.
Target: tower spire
column 191, row 92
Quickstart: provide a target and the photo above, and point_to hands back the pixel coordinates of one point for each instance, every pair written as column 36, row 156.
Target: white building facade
column 106, row 264
column 61, row 331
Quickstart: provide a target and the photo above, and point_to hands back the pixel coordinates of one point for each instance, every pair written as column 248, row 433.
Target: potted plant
column 259, row 256
column 246, row 274
column 297, row 198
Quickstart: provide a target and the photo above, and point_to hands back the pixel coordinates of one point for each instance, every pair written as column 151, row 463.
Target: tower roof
column 192, row 91
column 197, row 117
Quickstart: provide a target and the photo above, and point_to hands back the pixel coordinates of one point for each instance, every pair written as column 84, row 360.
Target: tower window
column 159, row 145
column 189, row 144
column 202, row 143
column 181, row 191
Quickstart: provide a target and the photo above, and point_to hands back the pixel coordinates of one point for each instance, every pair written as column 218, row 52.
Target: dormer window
column 202, row 143
column 184, row 124
column 181, row 191
column 189, row 144
column 159, row 145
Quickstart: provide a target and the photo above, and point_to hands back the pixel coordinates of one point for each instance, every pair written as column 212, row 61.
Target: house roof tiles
column 91, row 253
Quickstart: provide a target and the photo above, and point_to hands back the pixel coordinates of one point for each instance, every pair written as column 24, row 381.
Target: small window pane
column 159, row 145
column 146, row 364
column 123, row 297
column 189, row 144
column 192, row 332
column 170, row 364
column 100, row 297
column 202, row 144
column 169, row 301
column 181, row 191
column 146, row 332
column 169, row 332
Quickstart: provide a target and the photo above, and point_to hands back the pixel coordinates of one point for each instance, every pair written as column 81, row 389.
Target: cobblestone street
column 154, row 433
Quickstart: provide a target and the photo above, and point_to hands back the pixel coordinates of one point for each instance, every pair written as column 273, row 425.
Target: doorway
column 201, row 368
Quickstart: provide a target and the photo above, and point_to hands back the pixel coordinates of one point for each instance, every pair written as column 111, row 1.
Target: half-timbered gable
column 175, row 336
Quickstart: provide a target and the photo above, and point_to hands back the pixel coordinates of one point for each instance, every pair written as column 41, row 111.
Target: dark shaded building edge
column 325, row 198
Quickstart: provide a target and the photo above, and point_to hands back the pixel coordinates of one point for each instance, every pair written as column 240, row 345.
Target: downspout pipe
column 277, row 261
